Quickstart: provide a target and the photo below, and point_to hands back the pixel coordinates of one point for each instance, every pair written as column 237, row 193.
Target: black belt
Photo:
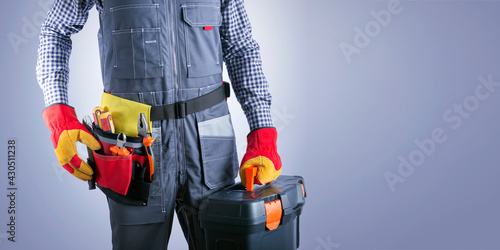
column 182, row 109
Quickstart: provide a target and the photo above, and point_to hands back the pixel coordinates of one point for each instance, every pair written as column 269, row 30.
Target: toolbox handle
column 250, row 173
column 273, row 209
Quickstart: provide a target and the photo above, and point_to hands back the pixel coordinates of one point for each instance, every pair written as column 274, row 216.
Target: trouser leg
column 148, row 236
column 188, row 219
column 139, row 228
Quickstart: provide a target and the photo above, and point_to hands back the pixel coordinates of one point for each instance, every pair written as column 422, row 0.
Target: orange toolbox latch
column 273, row 212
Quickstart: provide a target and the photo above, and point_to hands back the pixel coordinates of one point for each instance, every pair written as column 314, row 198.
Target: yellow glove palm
column 66, row 131
column 261, row 153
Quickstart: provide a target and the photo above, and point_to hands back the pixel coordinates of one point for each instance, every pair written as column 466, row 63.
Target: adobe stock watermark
column 30, row 27
column 372, row 29
column 59, row 171
column 281, row 120
column 454, row 116
column 326, row 244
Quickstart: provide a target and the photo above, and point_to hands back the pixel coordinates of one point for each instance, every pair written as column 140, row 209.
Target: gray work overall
column 161, row 52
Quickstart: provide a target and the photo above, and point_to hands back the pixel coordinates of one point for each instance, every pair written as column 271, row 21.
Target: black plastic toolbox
column 236, row 219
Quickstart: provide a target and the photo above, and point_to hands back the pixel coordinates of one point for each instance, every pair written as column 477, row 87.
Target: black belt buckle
column 180, row 110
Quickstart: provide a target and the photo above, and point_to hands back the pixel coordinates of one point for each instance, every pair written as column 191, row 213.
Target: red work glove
column 261, row 153
column 66, row 131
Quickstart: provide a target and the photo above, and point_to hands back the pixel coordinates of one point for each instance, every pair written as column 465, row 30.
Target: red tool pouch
column 122, row 178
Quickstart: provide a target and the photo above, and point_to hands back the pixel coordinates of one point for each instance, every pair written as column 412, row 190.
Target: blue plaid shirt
column 240, row 52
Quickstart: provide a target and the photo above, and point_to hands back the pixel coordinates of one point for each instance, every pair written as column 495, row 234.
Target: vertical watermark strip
column 11, row 189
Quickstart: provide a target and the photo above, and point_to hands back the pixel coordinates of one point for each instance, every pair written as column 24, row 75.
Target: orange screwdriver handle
column 148, row 141
column 250, row 173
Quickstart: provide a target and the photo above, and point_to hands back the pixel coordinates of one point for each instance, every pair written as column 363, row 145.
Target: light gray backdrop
column 388, row 109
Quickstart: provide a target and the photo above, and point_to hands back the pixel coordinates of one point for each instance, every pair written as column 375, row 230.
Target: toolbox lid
column 235, row 209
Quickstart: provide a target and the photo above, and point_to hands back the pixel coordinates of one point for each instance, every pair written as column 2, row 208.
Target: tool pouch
column 124, row 179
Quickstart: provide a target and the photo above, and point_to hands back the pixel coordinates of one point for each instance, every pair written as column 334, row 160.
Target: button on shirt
column 240, row 53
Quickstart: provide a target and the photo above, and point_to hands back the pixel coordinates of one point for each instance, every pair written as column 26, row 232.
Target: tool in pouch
column 119, row 148
column 147, row 140
column 96, row 113
column 119, row 166
column 106, row 122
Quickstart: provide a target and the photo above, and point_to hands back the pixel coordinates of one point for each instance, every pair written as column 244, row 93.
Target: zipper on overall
column 171, row 10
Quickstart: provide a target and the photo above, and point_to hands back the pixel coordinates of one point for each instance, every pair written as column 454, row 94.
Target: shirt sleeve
column 66, row 17
column 242, row 57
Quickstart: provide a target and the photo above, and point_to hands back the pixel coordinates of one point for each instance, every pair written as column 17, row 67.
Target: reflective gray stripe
column 220, row 127
column 155, row 133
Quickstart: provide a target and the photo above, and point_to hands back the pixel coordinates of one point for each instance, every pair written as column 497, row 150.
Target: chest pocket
column 136, row 41
column 203, row 46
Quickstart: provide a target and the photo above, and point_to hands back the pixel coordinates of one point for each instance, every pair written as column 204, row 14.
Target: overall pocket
column 136, row 41
column 218, row 151
column 203, row 46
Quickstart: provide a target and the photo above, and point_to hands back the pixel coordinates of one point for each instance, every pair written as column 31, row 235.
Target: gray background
column 343, row 125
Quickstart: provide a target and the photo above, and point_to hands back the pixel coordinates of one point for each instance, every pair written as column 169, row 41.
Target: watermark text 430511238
column 11, row 189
